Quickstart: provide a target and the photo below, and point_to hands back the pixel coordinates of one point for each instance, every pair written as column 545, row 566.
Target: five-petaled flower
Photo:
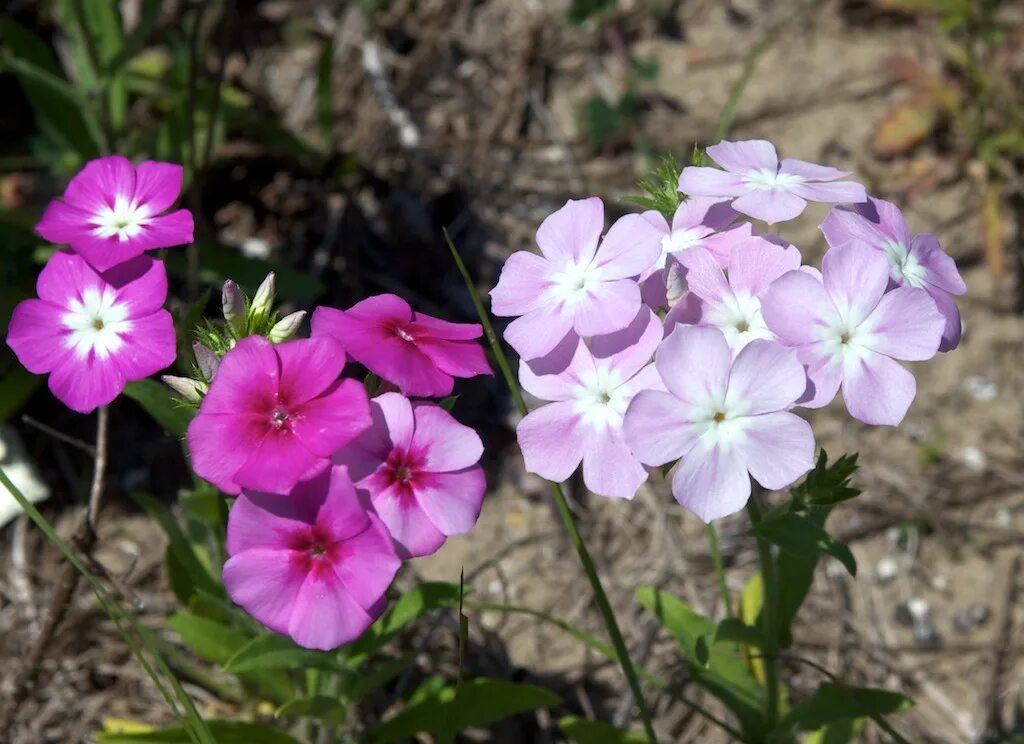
column 94, row 332
column 312, row 564
column 764, row 188
column 419, row 468
column 575, row 286
column 274, row 414
column 584, row 421
column 849, row 331
column 112, row 212
column 725, row 419
column 419, row 354
column 914, row 261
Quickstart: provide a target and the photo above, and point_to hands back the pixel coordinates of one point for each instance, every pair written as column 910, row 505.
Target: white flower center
column 97, row 323
column 573, row 283
column 770, row 180
column 602, row 400
column 678, row 241
column 738, row 316
column 904, row 266
column 846, row 342
column 722, row 421
column 125, row 220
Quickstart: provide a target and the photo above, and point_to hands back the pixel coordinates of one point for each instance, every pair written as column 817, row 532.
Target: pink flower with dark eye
column 849, row 332
column 112, row 212
column 914, row 261
column 274, row 414
column 419, row 354
column 313, row 564
column 726, row 418
column 580, row 284
column 419, row 468
column 762, row 187
column 583, row 423
column 94, row 332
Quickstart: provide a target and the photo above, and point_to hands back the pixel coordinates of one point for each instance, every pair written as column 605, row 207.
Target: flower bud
column 285, row 328
column 233, row 307
column 263, row 301
column 206, row 359
column 189, row 389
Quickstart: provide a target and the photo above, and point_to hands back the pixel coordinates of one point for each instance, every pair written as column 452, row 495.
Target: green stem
column 716, row 559
column 562, row 505
column 769, row 614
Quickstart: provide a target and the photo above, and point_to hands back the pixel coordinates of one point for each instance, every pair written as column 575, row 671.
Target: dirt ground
column 484, row 134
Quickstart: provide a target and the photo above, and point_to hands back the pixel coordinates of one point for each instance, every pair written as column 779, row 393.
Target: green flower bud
column 285, row 328
column 233, row 307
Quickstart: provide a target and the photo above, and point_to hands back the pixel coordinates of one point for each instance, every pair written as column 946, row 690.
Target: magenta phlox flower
column 112, row 212
column 575, row 285
column 849, row 332
column 726, row 418
column 914, row 261
column 275, row 414
column 419, row 354
column 762, row 187
column 312, row 564
column 583, row 423
column 94, row 332
column 695, row 224
column 731, row 300
column 419, row 468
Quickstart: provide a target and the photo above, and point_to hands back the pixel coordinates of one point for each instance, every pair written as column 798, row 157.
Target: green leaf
column 211, row 640
column 273, row 651
column 180, row 546
column 735, row 630
column 325, row 708
column 324, row 93
column 800, row 536
column 478, row 702
column 448, row 403
column 224, row 732
column 827, row 485
column 842, row 731
column 833, row 702
column 158, row 402
column 379, row 674
column 726, row 674
column 414, row 604
column 583, row 731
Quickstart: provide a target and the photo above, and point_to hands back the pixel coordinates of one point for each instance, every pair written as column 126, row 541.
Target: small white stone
column 22, row 473
column 981, row 388
column 886, row 570
column 974, row 458
column 918, row 608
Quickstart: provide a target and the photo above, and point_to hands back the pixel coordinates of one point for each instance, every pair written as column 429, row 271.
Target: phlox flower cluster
column 689, row 340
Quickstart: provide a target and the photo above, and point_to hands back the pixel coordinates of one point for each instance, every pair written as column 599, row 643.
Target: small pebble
column 981, row 388
column 974, row 458
column 926, row 635
column 973, row 617
column 886, row 570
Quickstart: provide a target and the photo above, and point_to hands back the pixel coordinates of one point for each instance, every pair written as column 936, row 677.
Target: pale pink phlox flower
column 726, row 418
column 914, row 261
column 112, row 212
column 579, row 284
column 849, row 332
column 275, row 414
column 583, row 423
column 313, row 564
column 419, row 468
column 764, row 188
column 94, row 332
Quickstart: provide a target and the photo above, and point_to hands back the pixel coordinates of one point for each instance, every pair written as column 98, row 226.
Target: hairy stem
column 716, row 559
column 605, row 608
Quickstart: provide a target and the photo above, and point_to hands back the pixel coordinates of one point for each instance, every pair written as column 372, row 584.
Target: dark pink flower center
column 314, row 549
column 400, row 329
column 279, row 417
column 403, row 468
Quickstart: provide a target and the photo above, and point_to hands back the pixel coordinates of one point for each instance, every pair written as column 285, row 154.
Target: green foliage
column 158, row 402
column 800, row 536
column 580, row 10
column 225, row 732
column 414, row 604
column 661, row 188
column 827, row 485
column 273, row 651
column 476, row 702
column 321, row 707
column 582, row 731
column 833, row 702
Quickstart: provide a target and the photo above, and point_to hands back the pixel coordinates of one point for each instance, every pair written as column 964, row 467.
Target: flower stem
column 716, row 559
column 769, row 614
column 603, row 605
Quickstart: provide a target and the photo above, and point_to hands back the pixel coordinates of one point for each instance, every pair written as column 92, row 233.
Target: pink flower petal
column 452, row 500
column 811, row 171
column 843, row 225
column 839, row 192
column 220, row 443
column 324, row 615
column 942, row 271
column 62, row 223
column 246, row 381
column 411, row 529
column 367, row 563
column 631, row 246
column 947, row 306
column 149, row 347
column 704, row 275
column 443, row 330
column 562, row 385
column 276, row 463
column 711, row 482
column 657, row 428
column 34, row 334
column 779, row 448
column 906, row 324
column 770, row 205
column 263, row 521
column 165, row 231
column 628, row 350
column 756, row 263
column 877, row 390
column 540, row 331
column 855, row 278
column 84, row 384
column 702, row 181
column 66, row 276
column 158, row 185
column 266, row 584
column 720, row 245
column 100, row 183
column 444, row 443
column 715, row 214
column 796, row 308
column 398, row 417
column 329, row 422
column 609, row 466
column 570, row 234
column 106, row 253
column 308, row 367
column 552, row 441
column 765, row 377
column 610, row 307
column 694, row 364
column 824, row 375
column 519, row 289
column 746, row 155
column 141, row 284
column 455, row 358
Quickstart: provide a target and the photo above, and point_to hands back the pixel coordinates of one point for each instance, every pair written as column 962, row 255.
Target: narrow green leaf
column 414, row 604
column 225, row 732
column 378, row 675
column 324, row 93
column 582, row 731
column 211, row 640
column 480, row 702
column 180, row 545
column 735, row 630
column 801, row 536
column 327, row 709
column 448, row 403
column 158, row 402
column 832, row 702
column 273, row 651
